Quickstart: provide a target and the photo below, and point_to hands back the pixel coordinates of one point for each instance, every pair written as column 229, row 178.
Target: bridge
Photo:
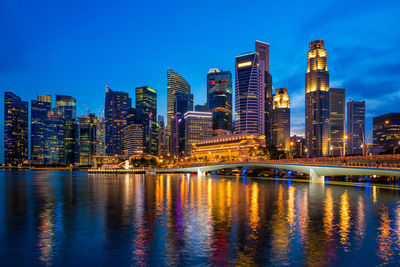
column 317, row 169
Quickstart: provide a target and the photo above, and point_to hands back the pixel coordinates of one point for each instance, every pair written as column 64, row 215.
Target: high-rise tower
column 281, row 119
column 317, row 100
column 247, row 94
column 356, row 127
column 175, row 84
column 337, row 140
column 265, row 92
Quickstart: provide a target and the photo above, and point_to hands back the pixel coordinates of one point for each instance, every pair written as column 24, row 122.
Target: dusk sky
column 78, row 47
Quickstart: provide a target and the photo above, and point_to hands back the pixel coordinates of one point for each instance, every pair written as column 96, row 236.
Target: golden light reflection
column 254, row 218
column 383, row 239
column 360, row 218
column 374, row 197
column 303, row 214
column 328, row 214
column 46, row 235
column 344, row 221
column 291, row 213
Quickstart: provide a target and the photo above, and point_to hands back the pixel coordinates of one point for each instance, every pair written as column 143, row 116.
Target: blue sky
column 77, row 47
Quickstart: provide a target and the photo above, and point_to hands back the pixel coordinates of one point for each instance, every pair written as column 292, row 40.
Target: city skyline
column 346, row 53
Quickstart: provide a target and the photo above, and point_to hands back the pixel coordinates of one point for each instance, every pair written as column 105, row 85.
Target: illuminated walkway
column 316, row 172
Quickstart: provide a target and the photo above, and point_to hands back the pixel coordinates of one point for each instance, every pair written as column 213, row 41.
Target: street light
column 344, row 145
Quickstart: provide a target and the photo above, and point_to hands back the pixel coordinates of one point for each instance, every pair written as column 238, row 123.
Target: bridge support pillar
column 199, row 172
column 315, row 177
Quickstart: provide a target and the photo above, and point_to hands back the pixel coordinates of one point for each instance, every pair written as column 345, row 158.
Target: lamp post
column 344, row 145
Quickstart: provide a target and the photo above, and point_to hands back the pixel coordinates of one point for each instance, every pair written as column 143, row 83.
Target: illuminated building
column 115, row 108
column 219, row 100
column 182, row 104
column 15, row 129
column 265, row 90
column 336, row 121
column 387, row 131
column 317, row 100
column 247, row 94
column 298, row 145
column 175, row 84
column 281, row 119
column 355, row 126
column 162, row 138
column 88, row 142
column 201, row 108
column 131, row 116
column 198, row 125
column 226, row 147
column 146, row 102
column 133, row 139
column 54, row 139
column 40, row 110
column 66, row 107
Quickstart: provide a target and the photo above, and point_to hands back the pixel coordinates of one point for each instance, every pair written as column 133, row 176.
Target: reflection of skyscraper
column 146, row 102
column 281, row 119
column 317, row 100
column 15, row 129
column 115, row 108
column 247, row 94
column 40, row 110
column 219, row 97
column 336, row 120
column 355, row 126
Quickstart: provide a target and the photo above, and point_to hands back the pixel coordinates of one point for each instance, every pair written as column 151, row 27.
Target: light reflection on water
column 72, row 218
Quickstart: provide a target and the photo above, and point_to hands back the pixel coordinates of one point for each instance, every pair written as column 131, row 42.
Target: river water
column 75, row 218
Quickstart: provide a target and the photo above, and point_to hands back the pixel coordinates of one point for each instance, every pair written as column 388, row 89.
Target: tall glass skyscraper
column 15, row 129
column 182, row 104
column 88, row 139
column 317, row 100
column 175, row 84
column 355, row 126
column 40, row 110
column 219, row 97
column 54, row 139
column 146, row 102
column 67, row 106
column 281, row 119
column 265, row 92
column 198, row 126
column 336, row 121
column 115, row 109
column 387, row 131
column 247, row 94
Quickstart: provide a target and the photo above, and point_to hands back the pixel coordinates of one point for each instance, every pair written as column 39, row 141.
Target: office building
column 202, row 108
column 337, row 140
column 356, row 127
column 67, row 106
column 198, row 126
column 162, row 138
column 281, row 119
column 133, row 139
column 54, row 139
column 40, row 110
column 317, row 100
column 115, row 109
column 387, row 131
column 15, row 129
column 219, row 97
column 146, row 102
column 247, row 94
column 298, row 146
column 182, row 104
column 88, row 142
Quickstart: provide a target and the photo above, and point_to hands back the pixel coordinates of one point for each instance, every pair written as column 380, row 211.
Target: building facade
column 281, row 119
column 317, row 100
column 133, row 139
column 262, row 49
column 387, row 131
column 146, row 103
column 337, row 138
column 15, row 129
column 88, row 139
column 198, row 126
column 355, row 127
column 247, row 94
column 115, row 109
column 182, row 104
column 219, row 97
column 40, row 110
column 162, row 138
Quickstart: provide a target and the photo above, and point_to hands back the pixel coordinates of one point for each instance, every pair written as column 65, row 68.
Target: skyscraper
column 268, row 107
column 115, row 108
column 317, row 100
column 281, row 119
column 387, row 131
column 182, row 104
column 175, row 84
column 67, row 106
column 247, row 94
column 54, row 139
column 263, row 51
column 198, row 125
column 336, row 121
column 162, row 138
column 15, row 129
column 355, row 126
column 146, row 101
column 219, row 97
column 133, row 139
column 40, row 110
column 88, row 142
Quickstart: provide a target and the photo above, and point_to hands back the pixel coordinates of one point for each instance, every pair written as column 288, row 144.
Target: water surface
column 74, row 218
